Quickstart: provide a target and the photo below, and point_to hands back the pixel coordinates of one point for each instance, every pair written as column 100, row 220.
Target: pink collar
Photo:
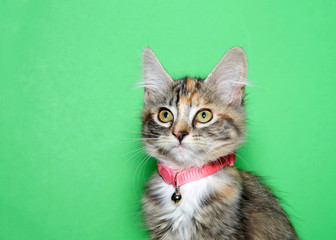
column 193, row 174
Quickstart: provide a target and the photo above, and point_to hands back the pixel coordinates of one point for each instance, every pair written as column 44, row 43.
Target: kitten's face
column 188, row 122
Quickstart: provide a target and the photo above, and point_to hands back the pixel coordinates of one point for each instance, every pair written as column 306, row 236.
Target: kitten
column 193, row 125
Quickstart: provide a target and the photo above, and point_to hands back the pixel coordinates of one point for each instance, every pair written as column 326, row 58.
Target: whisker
column 144, row 167
column 134, row 156
column 241, row 158
column 136, row 139
column 146, row 157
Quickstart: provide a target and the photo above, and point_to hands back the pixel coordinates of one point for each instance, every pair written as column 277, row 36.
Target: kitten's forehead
column 188, row 92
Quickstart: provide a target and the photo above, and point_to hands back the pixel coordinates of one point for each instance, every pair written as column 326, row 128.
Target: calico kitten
column 189, row 124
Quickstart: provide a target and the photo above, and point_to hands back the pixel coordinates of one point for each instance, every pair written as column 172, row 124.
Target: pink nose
column 180, row 135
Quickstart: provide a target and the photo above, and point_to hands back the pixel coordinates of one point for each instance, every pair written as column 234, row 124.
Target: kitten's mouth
column 180, row 148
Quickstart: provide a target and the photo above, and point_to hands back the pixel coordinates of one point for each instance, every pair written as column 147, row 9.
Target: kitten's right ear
column 156, row 79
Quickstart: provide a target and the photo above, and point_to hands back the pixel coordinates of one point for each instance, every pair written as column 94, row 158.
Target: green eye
column 203, row 116
column 165, row 116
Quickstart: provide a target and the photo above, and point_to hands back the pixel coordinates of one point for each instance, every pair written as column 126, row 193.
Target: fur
column 230, row 204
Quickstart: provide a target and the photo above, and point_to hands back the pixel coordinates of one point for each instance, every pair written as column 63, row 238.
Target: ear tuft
column 229, row 76
column 156, row 79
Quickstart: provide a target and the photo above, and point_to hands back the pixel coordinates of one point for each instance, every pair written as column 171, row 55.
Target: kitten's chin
column 182, row 157
column 180, row 149
column 182, row 152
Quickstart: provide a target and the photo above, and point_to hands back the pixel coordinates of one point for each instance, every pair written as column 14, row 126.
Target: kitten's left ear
column 156, row 79
column 228, row 78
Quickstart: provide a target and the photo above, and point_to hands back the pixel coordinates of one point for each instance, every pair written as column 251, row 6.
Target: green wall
column 70, row 163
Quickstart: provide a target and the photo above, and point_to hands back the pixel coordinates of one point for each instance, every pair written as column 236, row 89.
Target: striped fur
column 230, row 204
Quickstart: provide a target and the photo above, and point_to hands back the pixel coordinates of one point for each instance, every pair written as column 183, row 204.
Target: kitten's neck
column 178, row 178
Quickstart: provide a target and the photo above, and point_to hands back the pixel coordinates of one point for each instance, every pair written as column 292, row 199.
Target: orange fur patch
column 183, row 101
column 190, row 84
column 195, row 95
column 222, row 115
column 180, row 126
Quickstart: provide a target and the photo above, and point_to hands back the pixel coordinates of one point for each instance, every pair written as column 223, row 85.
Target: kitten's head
column 189, row 122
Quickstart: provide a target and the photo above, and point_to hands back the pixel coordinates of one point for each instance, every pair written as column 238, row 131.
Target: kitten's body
column 229, row 204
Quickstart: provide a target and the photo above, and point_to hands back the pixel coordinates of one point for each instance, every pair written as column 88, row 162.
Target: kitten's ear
column 229, row 76
column 156, row 79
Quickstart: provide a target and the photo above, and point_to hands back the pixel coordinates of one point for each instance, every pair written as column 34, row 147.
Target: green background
column 71, row 165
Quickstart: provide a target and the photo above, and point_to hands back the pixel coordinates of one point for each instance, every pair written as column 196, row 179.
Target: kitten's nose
column 180, row 135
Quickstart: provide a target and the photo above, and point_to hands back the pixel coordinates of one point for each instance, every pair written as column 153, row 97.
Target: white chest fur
column 181, row 214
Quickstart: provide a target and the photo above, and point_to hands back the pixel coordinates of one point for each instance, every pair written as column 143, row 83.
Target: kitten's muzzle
column 180, row 135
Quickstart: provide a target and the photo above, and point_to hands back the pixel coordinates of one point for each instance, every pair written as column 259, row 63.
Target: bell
column 176, row 197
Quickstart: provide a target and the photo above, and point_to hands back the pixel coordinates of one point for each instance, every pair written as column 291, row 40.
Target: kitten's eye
column 203, row 116
column 165, row 116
